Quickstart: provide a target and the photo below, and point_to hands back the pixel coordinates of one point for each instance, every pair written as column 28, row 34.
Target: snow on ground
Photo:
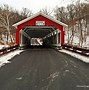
column 3, row 46
column 76, row 55
column 76, row 40
column 5, row 58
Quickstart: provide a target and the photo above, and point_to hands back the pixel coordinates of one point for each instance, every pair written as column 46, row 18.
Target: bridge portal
column 40, row 29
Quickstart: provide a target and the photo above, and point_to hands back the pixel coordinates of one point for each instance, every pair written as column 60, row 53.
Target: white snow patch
column 54, row 75
column 19, row 78
column 80, row 57
column 66, row 70
column 4, row 59
column 3, row 46
column 76, row 39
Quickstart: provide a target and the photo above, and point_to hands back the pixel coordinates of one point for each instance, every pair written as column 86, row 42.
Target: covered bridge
column 40, row 28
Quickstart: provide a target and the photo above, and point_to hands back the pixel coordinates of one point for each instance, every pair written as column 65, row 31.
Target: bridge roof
column 42, row 14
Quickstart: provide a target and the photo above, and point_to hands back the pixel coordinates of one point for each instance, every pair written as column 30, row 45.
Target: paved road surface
column 44, row 69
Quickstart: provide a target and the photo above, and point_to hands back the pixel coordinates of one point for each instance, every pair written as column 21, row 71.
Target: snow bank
column 76, row 39
column 4, row 59
column 3, row 46
column 80, row 57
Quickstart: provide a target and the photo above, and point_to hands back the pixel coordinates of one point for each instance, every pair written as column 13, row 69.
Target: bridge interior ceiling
column 39, row 32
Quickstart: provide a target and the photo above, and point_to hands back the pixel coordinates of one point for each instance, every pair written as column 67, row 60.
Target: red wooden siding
column 32, row 22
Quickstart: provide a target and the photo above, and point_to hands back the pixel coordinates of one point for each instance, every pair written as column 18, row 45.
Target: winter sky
column 36, row 5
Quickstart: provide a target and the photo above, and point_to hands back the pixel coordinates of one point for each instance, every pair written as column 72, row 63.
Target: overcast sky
column 36, row 5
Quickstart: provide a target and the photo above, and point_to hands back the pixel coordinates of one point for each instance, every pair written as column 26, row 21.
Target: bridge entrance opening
column 40, row 36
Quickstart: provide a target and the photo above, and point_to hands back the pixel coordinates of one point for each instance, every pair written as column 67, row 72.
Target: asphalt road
column 44, row 69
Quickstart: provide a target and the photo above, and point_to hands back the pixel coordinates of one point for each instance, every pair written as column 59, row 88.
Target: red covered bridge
column 40, row 28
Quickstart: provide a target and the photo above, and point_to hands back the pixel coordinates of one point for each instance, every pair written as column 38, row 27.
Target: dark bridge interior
column 47, row 36
column 39, row 32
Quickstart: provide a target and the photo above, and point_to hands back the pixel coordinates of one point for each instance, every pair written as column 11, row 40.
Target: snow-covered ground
column 76, row 40
column 5, row 58
column 76, row 55
column 3, row 46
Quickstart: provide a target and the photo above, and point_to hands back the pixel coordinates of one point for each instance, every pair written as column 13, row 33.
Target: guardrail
column 79, row 50
column 8, row 49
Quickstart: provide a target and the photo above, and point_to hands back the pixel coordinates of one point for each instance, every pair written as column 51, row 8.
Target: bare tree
column 26, row 12
column 61, row 14
column 5, row 17
column 9, row 16
column 71, row 17
column 46, row 11
column 81, row 12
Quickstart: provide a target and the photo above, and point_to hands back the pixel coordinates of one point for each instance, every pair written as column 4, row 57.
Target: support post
column 21, row 40
column 57, row 38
